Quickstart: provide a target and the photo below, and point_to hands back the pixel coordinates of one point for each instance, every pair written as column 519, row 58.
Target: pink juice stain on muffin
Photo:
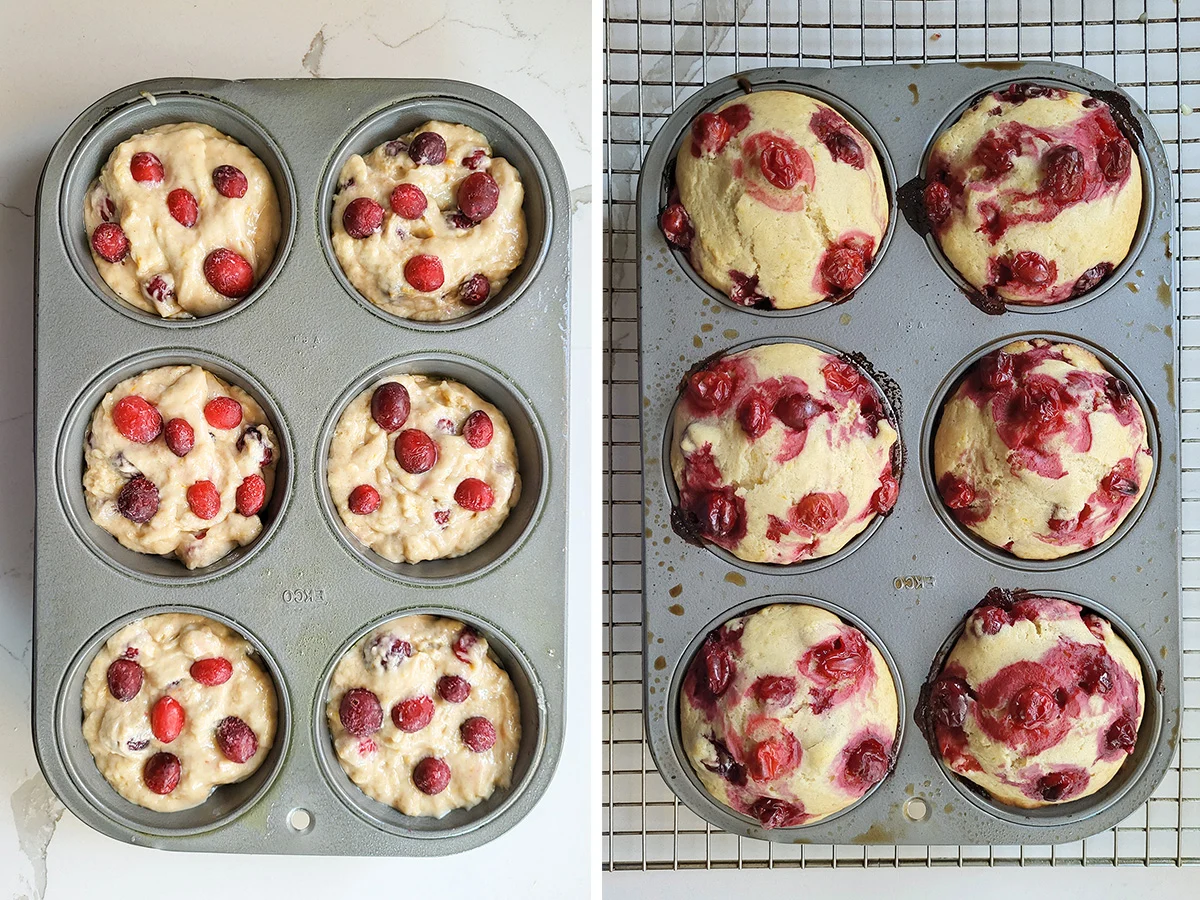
column 838, row 667
column 772, row 168
column 1105, row 507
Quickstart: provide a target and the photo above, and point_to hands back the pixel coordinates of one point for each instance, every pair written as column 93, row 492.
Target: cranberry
column 775, row 689
column 1091, row 278
column 1032, row 705
column 228, row 273
column 866, row 763
column 136, row 419
column 738, row 117
column 453, row 689
column 1026, row 90
column 991, row 619
column 843, row 148
column 1061, row 785
column 180, row 437
column 146, row 168
column 885, row 495
column 390, row 405
column 474, row 159
column 447, row 426
column 474, row 290
column 212, row 671
column 840, row 377
column 464, row 642
column 427, row 149
column 797, row 410
column 773, row 757
column 711, row 133
column 442, row 517
column 363, row 217
column 230, row 182
column 204, row 499
column 478, row 734
column 1118, row 393
column 166, row 719
column 1064, row 177
column 718, row 666
column 431, row 775
column 1031, row 268
column 996, row 370
column 478, row 196
column 460, row 221
column 1121, row 735
column 1095, row 677
column 1120, row 482
column 844, row 268
column 816, row 511
column 138, row 500
column 363, row 500
column 360, row 712
column 416, row 451
column 727, row 767
column 236, row 739
column 254, row 435
column 182, row 207
column 994, row 154
column 161, row 772
column 1114, row 159
column 744, row 290
column 424, row 273
column 110, row 243
column 774, row 813
column 124, row 678
column 251, row 495
column 709, row 389
column 387, row 651
column 478, row 429
column 938, row 204
column 779, row 165
column 949, row 699
column 717, row 512
column 676, row 226
column 223, row 412
column 956, row 493
column 413, row 714
column 474, row 495
column 842, row 658
column 754, row 415
column 136, row 745
column 159, row 291
column 408, row 201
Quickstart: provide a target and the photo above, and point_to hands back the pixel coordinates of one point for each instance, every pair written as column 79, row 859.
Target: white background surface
column 55, row 60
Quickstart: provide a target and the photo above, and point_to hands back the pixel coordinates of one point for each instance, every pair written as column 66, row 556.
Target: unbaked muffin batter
column 183, row 220
column 1038, row 702
column 788, row 714
column 175, row 705
column 179, row 463
column 423, row 718
column 430, row 225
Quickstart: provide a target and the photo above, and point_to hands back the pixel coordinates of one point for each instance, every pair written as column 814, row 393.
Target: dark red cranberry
column 474, row 290
column 180, row 437
column 223, row 412
column 413, row 714
column 387, row 651
column 996, row 370
column 744, row 290
column 676, row 226
column 464, row 642
column 161, row 773
column 478, row 734
column 159, row 291
column 124, row 678
column 236, row 739
column 136, row 419
column 362, row 218
column 718, row 665
column 136, row 746
column 717, row 512
column 843, row 148
column 949, row 699
column 1091, row 278
column 110, row 243
column 228, row 273
column 709, row 388
column 1121, row 735
column 1114, row 159
column 738, row 117
column 844, row 268
column 474, row 159
column 212, row 671
column 1095, row 677
column 956, row 493
column 453, row 689
column 460, row 221
column 711, row 132
column 408, row 201
column 251, row 495
column 182, row 207
column 431, row 775
column 1032, row 705
column 1064, row 174
column 363, row 500
column 138, row 500
column 230, row 182
column 166, row 719
column 1061, row 785
column 395, row 148
column 994, row 154
column 424, row 272
column 1031, row 268
column 146, row 168
column 815, row 512
column 478, row 196
column 360, row 712
column 991, row 619
column 726, row 766
column 754, row 415
column 938, row 203
column 416, row 451
column 775, row 689
column 885, row 495
column 774, row 813
column 780, row 165
column 797, row 410
column 477, row 429
column 1120, row 482
column 1026, row 90
column 1118, row 393
column 866, row 763
column 474, row 495
column 204, row 500
column 390, row 405
column 842, row 658
column 428, row 149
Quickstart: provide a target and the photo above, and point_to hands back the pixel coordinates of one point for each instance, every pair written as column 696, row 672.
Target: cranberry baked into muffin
column 1038, row 703
column 788, row 714
column 183, row 221
column 1041, row 451
column 1034, row 194
column 781, row 202
column 422, row 717
column 430, row 225
column 782, row 453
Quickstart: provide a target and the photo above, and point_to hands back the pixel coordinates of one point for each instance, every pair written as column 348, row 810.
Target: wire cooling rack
column 659, row 52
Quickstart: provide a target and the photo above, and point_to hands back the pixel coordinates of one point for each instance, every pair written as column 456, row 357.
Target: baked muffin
column 179, row 463
column 782, row 453
column 1038, row 703
column 781, row 201
column 1034, row 194
column 788, row 714
column 422, row 468
column 183, row 221
column 1041, row 451
column 175, row 705
column 430, row 225
column 422, row 718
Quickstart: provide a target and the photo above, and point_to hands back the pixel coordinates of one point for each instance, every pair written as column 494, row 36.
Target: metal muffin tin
column 912, row 580
column 303, row 345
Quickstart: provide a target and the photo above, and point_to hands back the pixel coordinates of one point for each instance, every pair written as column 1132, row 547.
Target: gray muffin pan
column 909, row 581
column 303, row 344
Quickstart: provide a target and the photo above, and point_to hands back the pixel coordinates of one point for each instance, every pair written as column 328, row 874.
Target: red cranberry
column 474, row 495
column 1095, row 677
column 464, row 642
column 717, row 512
column 478, row 734
column 161, row 773
column 390, row 405
column 408, row 201
column 996, row 370
column 228, row 273
column 816, row 512
column 1020, row 92
column 387, row 651
column 711, row 132
column 840, row 377
column 1114, row 159
column 779, row 165
column 180, row 437
column 413, row 714
column 774, row 813
column 676, row 226
column 363, row 217
column 136, row 419
column 885, row 495
column 994, row 154
column 718, row 666
column 772, row 757
column 843, row 148
column 166, row 719
column 124, row 678
column 424, row 273
column 236, row 739
column 775, row 689
column 1032, row 705
column 842, row 658
column 754, row 415
column 744, row 290
column 1031, row 268
column 223, row 412
column 204, row 499
column 212, row 671
column 1120, row 482
column 938, row 204
column 478, row 196
column 360, row 712
column 453, row 689
column 137, row 746
column 446, row 426
column 460, row 221
column 797, row 410
column 474, row 159
column 738, row 117
column 1121, row 735
column 956, row 493
column 146, row 168
column 991, row 619
column 844, row 268
column 159, row 291
column 427, row 149
column 1061, row 785
column 474, row 290
column 431, row 775
column 416, row 451
column 251, row 495
column 182, row 207
column 363, row 500
column 478, row 429
column 230, row 182
column 726, row 767
column 709, row 389
column 949, row 699
column 866, row 763
column 138, row 500
column 1091, row 278
column 1064, row 174
column 110, row 243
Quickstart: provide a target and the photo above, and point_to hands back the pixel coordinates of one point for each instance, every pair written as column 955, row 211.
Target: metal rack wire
column 657, row 53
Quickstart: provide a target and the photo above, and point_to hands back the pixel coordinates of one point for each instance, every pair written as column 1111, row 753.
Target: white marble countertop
column 55, row 60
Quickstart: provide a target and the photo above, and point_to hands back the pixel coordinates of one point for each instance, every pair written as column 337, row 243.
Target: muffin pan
column 914, row 577
column 302, row 344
